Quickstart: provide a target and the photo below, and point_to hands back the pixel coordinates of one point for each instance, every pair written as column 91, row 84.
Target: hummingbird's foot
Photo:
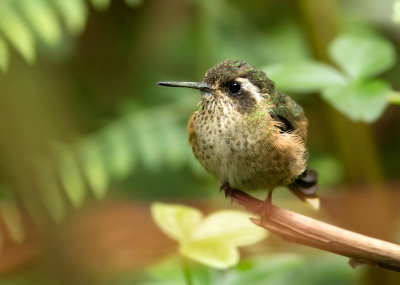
column 228, row 190
column 265, row 207
column 268, row 200
column 250, row 203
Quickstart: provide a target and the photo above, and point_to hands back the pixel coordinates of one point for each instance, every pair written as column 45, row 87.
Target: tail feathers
column 305, row 187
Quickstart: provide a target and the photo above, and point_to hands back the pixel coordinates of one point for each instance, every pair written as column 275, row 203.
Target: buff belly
column 241, row 157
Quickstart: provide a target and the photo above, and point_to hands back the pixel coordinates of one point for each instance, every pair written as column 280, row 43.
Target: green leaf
column 362, row 56
column 219, row 225
column 277, row 269
column 307, row 76
column 119, row 154
column 174, row 140
column 42, row 19
column 394, row 97
column 176, row 221
column 49, row 192
column 360, row 101
column 94, row 168
column 11, row 216
column 213, row 252
column 150, row 147
column 396, row 11
column 75, row 14
column 71, row 177
column 17, row 33
column 168, row 270
column 133, row 3
column 4, row 55
column 101, row 4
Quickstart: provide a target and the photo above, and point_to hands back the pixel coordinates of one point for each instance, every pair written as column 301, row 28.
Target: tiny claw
column 265, row 207
column 224, row 186
column 250, row 203
column 227, row 189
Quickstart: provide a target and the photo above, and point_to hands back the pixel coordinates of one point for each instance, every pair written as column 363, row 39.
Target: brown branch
column 300, row 229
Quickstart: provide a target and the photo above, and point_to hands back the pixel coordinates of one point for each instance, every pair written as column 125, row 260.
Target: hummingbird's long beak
column 195, row 85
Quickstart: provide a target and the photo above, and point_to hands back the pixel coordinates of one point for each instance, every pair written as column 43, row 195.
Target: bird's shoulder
column 286, row 110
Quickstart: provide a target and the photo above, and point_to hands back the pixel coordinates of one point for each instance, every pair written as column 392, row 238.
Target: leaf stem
column 394, row 97
column 186, row 271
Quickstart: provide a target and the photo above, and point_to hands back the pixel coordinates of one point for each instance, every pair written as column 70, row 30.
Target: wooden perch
column 300, row 229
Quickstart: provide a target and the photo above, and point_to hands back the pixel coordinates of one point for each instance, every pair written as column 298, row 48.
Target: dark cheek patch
column 244, row 102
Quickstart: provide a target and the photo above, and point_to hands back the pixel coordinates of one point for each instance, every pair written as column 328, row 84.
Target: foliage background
column 88, row 140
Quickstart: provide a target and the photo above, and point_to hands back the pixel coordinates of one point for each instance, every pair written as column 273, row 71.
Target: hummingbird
column 248, row 134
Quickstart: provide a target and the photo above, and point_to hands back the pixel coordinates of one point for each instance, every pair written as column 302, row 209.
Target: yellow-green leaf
column 42, row 19
column 396, row 11
column 71, row 177
column 75, row 14
column 120, row 158
column 394, row 97
column 17, row 32
column 94, row 168
column 101, row 4
column 176, row 221
column 13, row 221
column 50, row 192
column 147, row 141
column 4, row 55
column 133, row 3
column 213, row 252
column 172, row 135
column 230, row 226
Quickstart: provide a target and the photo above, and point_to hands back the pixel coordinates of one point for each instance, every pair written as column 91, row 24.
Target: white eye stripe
column 250, row 87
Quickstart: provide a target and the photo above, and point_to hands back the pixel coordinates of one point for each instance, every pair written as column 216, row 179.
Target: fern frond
column 49, row 191
column 133, row 3
column 152, row 138
column 17, row 32
column 118, row 154
column 101, row 4
column 13, row 221
column 93, row 167
column 42, row 19
column 24, row 22
column 11, row 215
column 74, row 13
column 71, row 176
column 4, row 55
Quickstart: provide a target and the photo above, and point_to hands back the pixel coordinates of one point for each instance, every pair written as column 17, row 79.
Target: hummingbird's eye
column 234, row 87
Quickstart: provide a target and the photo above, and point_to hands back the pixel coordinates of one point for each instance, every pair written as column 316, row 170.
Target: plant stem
column 394, row 97
column 186, row 271
column 303, row 230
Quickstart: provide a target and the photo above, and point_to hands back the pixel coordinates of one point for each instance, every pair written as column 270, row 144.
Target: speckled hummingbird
column 248, row 134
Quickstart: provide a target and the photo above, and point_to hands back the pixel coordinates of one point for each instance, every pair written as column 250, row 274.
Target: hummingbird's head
column 235, row 82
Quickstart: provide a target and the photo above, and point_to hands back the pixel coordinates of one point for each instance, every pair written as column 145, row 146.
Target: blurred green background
column 88, row 140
